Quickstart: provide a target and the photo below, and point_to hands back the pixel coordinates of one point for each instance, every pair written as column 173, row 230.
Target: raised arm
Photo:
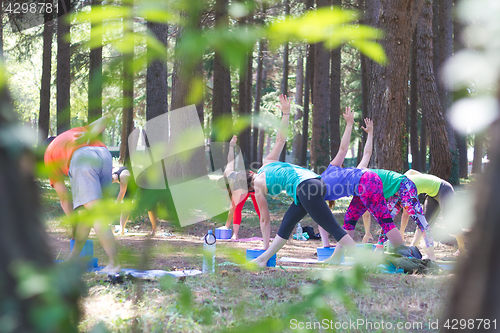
column 230, row 156
column 346, row 138
column 282, row 131
column 367, row 153
column 95, row 128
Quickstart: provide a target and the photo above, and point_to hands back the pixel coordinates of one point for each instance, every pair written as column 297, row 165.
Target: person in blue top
column 364, row 185
column 304, row 186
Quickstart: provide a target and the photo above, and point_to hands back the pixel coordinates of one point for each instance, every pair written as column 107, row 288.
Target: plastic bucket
column 254, row 253
column 223, row 233
column 326, row 252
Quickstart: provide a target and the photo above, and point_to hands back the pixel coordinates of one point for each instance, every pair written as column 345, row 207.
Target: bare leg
column 266, row 235
column 153, row 218
column 105, row 236
column 229, row 218
column 236, row 228
column 460, row 242
column 81, row 234
column 123, row 221
column 345, row 242
column 404, row 222
column 324, row 236
column 417, row 238
column 367, row 219
column 395, row 238
column 339, row 250
column 275, row 246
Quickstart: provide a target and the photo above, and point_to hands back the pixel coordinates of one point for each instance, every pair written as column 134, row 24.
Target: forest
column 425, row 71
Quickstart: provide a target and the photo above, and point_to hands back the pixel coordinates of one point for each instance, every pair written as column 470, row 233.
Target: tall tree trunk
column 63, row 69
column 244, row 138
column 284, row 82
column 256, row 159
column 423, row 141
column 248, row 85
column 389, row 94
column 95, row 74
column 299, row 99
column 475, row 293
column 221, row 101
column 445, row 40
column 128, row 93
column 44, row 115
column 477, row 162
column 371, row 17
column 307, row 94
column 156, row 76
column 415, row 154
column 441, row 158
column 335, row 58
column 24, row 244
column 463, row 161
column 320, row 142
column 262, row 131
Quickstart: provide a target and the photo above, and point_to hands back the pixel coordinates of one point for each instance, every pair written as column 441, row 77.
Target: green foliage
column 56, row 290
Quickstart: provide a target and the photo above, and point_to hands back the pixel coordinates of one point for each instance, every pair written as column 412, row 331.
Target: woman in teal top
column 304, row 186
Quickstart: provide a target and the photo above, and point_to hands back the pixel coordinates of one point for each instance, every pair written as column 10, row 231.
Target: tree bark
column 463, row 161
column 63, row 70
column 95, row 75
column 441, row 158
column 335, row 98
column 23, row 241
column 284, row 81
column 156, row 76
column 415, row 154
column 445, row 40
column 423, row 141
column 477, row 162
column 389, row 93
column 257, row 158
column 221, row 101
column 244, row 139
column 299, row 99
column 307, row 94
column 44, row 115
column 128, row 94
column 475, row 292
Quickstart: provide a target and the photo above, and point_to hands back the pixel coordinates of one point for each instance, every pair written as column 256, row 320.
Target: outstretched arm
column 95, row 128
column 367, row 153
column 344, row 143
column 282, row 131
column 230, row 156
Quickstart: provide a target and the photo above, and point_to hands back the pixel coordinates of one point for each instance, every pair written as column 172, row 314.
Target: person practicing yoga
column 401, row 194
column 304, row 186
column 238, row 196
column 122, row 176
column 364, row 185
column 79, row 154
column 438, row 192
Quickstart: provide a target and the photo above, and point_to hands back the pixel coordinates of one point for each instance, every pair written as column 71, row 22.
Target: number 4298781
column 475, row 324
column 30, row 8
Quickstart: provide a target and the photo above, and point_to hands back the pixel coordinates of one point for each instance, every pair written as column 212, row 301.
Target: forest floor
column 240, row 299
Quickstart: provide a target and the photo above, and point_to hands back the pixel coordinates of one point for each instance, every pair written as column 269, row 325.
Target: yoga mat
column 155, row 272
column 311, row 261
column 446, row 265
column 251, row 239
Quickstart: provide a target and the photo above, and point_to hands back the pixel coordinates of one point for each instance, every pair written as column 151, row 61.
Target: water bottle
column 300, row 232
column 209, row 253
